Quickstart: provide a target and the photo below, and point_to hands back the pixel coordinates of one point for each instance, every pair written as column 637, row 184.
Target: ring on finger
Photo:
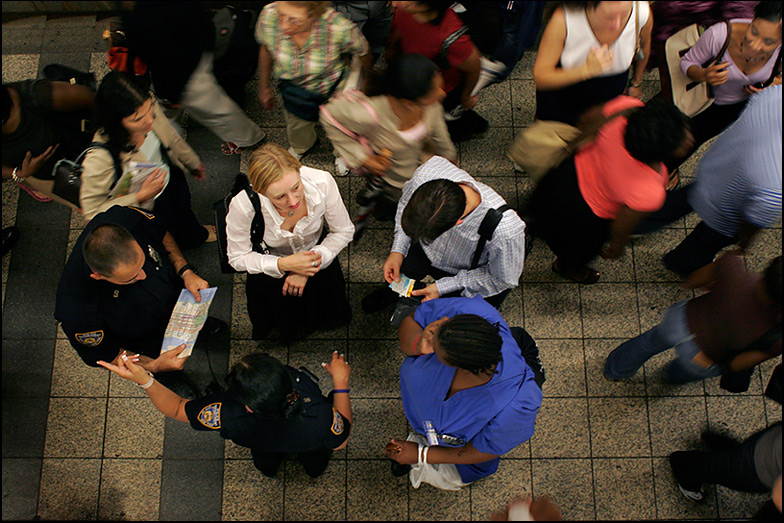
column 314, row 264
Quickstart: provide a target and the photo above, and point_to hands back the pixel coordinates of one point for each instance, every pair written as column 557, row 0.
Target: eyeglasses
column 296, row 22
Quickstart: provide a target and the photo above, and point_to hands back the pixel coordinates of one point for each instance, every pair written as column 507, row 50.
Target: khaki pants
column 301, row 133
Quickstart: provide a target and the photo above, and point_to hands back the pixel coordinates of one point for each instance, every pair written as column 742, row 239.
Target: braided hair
column 470, row 342
column 262, row 383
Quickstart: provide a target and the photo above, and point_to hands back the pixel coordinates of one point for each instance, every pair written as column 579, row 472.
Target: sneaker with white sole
column 295, row 154
column 696, row 496
column 341, row 169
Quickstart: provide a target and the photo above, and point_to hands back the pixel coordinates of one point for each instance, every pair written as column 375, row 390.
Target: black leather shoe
column 381, row 298
column 10, row 237
column 399, row 470
column 213, row 327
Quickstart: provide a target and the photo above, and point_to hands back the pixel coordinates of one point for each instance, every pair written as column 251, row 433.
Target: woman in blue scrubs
column 466, row 388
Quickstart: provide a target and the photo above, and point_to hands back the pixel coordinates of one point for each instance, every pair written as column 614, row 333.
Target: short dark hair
column 433, row 209
column 772, row 281
column 439, row 6
column 654, row 132
column 107, row 247
column 7, row 104
column 770, row 11
column 263, row 384
column 470, row 342
column 409, row 76
column 119, row 96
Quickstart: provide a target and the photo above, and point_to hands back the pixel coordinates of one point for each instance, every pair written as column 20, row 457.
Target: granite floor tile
column 655, row 384
column 368, row 256
column 756, row 386
column 308, row 499
column 524, row 69
column 376, row 421
column 481, row 157
column 765, row 246
column 655, row 298
column 374, row 494
column 23, row 36
column 596, row 352
column 772, row 411
column 122, row 388
column 671, row 503
column 562, row 429
column 21, row 482
column 617, row 270
column 24, row 440
column 739, row 505
column 737, row 417
column 134, row 429
column 69, row 489
column 564, row 367
column 241, row 327
column 609, row 310
column 27, row 366
column 427, row 503
column 552, row 310
column 539, row 262
column 568, row 483
column 505, row 186
column 512, row 308
column 375, row 368
column 648, row 252
column 77, row 60
column 493, row 105
column 619, row 427
column 99, row 65
column 75, row 428
column 180, row 441
column 16, row 68
column 512, row 479
column 372, row 325
column 73, row 34
column 71, row 377
column 523, row 102
column 191, row 490
column 676, row 423
column 130, row 489
column 248, row 495
column 623, row 489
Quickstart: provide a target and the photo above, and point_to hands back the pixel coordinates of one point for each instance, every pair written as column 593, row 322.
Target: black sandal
column 588, row 276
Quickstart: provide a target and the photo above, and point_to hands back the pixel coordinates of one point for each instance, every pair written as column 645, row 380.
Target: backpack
column 221, row 209
column 236, row 52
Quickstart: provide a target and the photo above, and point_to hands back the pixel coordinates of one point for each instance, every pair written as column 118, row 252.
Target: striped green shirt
column 317, row 65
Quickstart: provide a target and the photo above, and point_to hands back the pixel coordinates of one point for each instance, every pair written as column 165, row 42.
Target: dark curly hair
column 119, row 96
column 655, row 131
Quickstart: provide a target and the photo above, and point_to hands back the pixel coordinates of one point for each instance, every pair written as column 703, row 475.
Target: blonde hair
column 268, row 164
column 315, row 9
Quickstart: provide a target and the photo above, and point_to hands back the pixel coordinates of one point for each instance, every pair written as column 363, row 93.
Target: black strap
column 257, row 225
column 486, row 230
column 713, row 59
column 440, row 59
column 775, row 71
column 115, row 160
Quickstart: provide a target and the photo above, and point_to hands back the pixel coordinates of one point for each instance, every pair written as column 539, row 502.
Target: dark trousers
column 709, row 123
column 417, row 265
column 314, row 461
column 733, row 469
column 558, row 214
column 173, row 207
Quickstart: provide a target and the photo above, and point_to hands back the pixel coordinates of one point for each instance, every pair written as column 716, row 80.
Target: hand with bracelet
column 128, row 369
column 31, row 164
column 635, row 89
column 193, row 282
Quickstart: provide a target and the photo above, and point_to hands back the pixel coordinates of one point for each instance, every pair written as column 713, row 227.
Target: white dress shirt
column 323, row 202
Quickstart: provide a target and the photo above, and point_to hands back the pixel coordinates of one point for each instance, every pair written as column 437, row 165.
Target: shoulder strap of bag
column 257, row 225
column 775, row 71
column 363, row 141
column 486, row 230
column 590, row 133
column 115, row 159
column 637, row 49
column 440, row 59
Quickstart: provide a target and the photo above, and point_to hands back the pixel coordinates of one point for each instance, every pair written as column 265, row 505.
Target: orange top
column 609, row 177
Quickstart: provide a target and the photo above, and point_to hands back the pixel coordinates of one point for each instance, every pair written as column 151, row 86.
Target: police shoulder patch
column 89, row 339
column 209, row 416
column 147, row 214
column 337, row 423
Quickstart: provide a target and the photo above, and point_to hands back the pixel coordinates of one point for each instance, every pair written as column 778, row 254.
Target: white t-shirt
column 580, row 40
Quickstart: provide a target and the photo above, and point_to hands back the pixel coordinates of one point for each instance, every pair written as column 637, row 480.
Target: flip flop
column 212, row 235
column 38, row 195
column 674, row 180
column 587, row 277
column 231, row 148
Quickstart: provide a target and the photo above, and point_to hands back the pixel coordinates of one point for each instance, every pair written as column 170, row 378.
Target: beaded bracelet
column 16, row 178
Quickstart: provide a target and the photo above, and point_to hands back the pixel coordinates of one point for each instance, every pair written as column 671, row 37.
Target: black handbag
column 67, row 175
column 303, row 103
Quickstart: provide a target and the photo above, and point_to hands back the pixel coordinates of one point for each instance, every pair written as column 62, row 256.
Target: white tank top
column 580, row 40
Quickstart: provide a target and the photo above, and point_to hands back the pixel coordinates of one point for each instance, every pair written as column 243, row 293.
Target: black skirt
column 568, row 103
column 322, row 306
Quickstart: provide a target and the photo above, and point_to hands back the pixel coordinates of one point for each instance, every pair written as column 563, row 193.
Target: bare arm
column 645, row 45
column 547, row 74
column 620, row 230
column 470, row 68
column 67, row 97
column 409, row 333
column 747, row 360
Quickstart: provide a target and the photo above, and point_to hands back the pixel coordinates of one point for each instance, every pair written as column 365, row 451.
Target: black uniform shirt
column 319, row 425
column 100, row 317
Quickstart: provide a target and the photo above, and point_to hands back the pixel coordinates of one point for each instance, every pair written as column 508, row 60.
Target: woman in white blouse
column 298, row 287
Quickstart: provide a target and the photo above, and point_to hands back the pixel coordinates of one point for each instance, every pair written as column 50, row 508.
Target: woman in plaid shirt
column 303, row 46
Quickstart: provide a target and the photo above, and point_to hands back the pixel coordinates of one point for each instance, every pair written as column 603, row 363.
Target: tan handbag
column 689, row 96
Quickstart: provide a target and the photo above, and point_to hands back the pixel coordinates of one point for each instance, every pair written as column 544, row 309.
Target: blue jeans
column 673, row 331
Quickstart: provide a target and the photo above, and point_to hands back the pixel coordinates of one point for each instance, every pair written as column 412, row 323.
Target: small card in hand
column 404, row 286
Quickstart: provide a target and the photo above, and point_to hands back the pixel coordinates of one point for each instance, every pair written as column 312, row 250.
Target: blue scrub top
column 495, row 417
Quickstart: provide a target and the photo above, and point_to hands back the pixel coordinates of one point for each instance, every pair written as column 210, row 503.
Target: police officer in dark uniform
column 269, row 407
column 119, row 287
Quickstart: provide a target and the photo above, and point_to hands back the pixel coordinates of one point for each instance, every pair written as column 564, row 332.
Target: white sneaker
column 341, row 169
column 517, row 168
column 694, row 495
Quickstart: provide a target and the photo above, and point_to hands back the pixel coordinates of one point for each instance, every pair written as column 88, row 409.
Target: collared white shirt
column 323, row 202
column 501, row 262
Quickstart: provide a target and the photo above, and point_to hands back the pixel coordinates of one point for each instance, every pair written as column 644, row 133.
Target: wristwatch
column 186, row 267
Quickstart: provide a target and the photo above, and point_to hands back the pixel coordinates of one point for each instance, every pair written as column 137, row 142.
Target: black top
column 99, row 317
column 319, row 425
column 568, row 103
